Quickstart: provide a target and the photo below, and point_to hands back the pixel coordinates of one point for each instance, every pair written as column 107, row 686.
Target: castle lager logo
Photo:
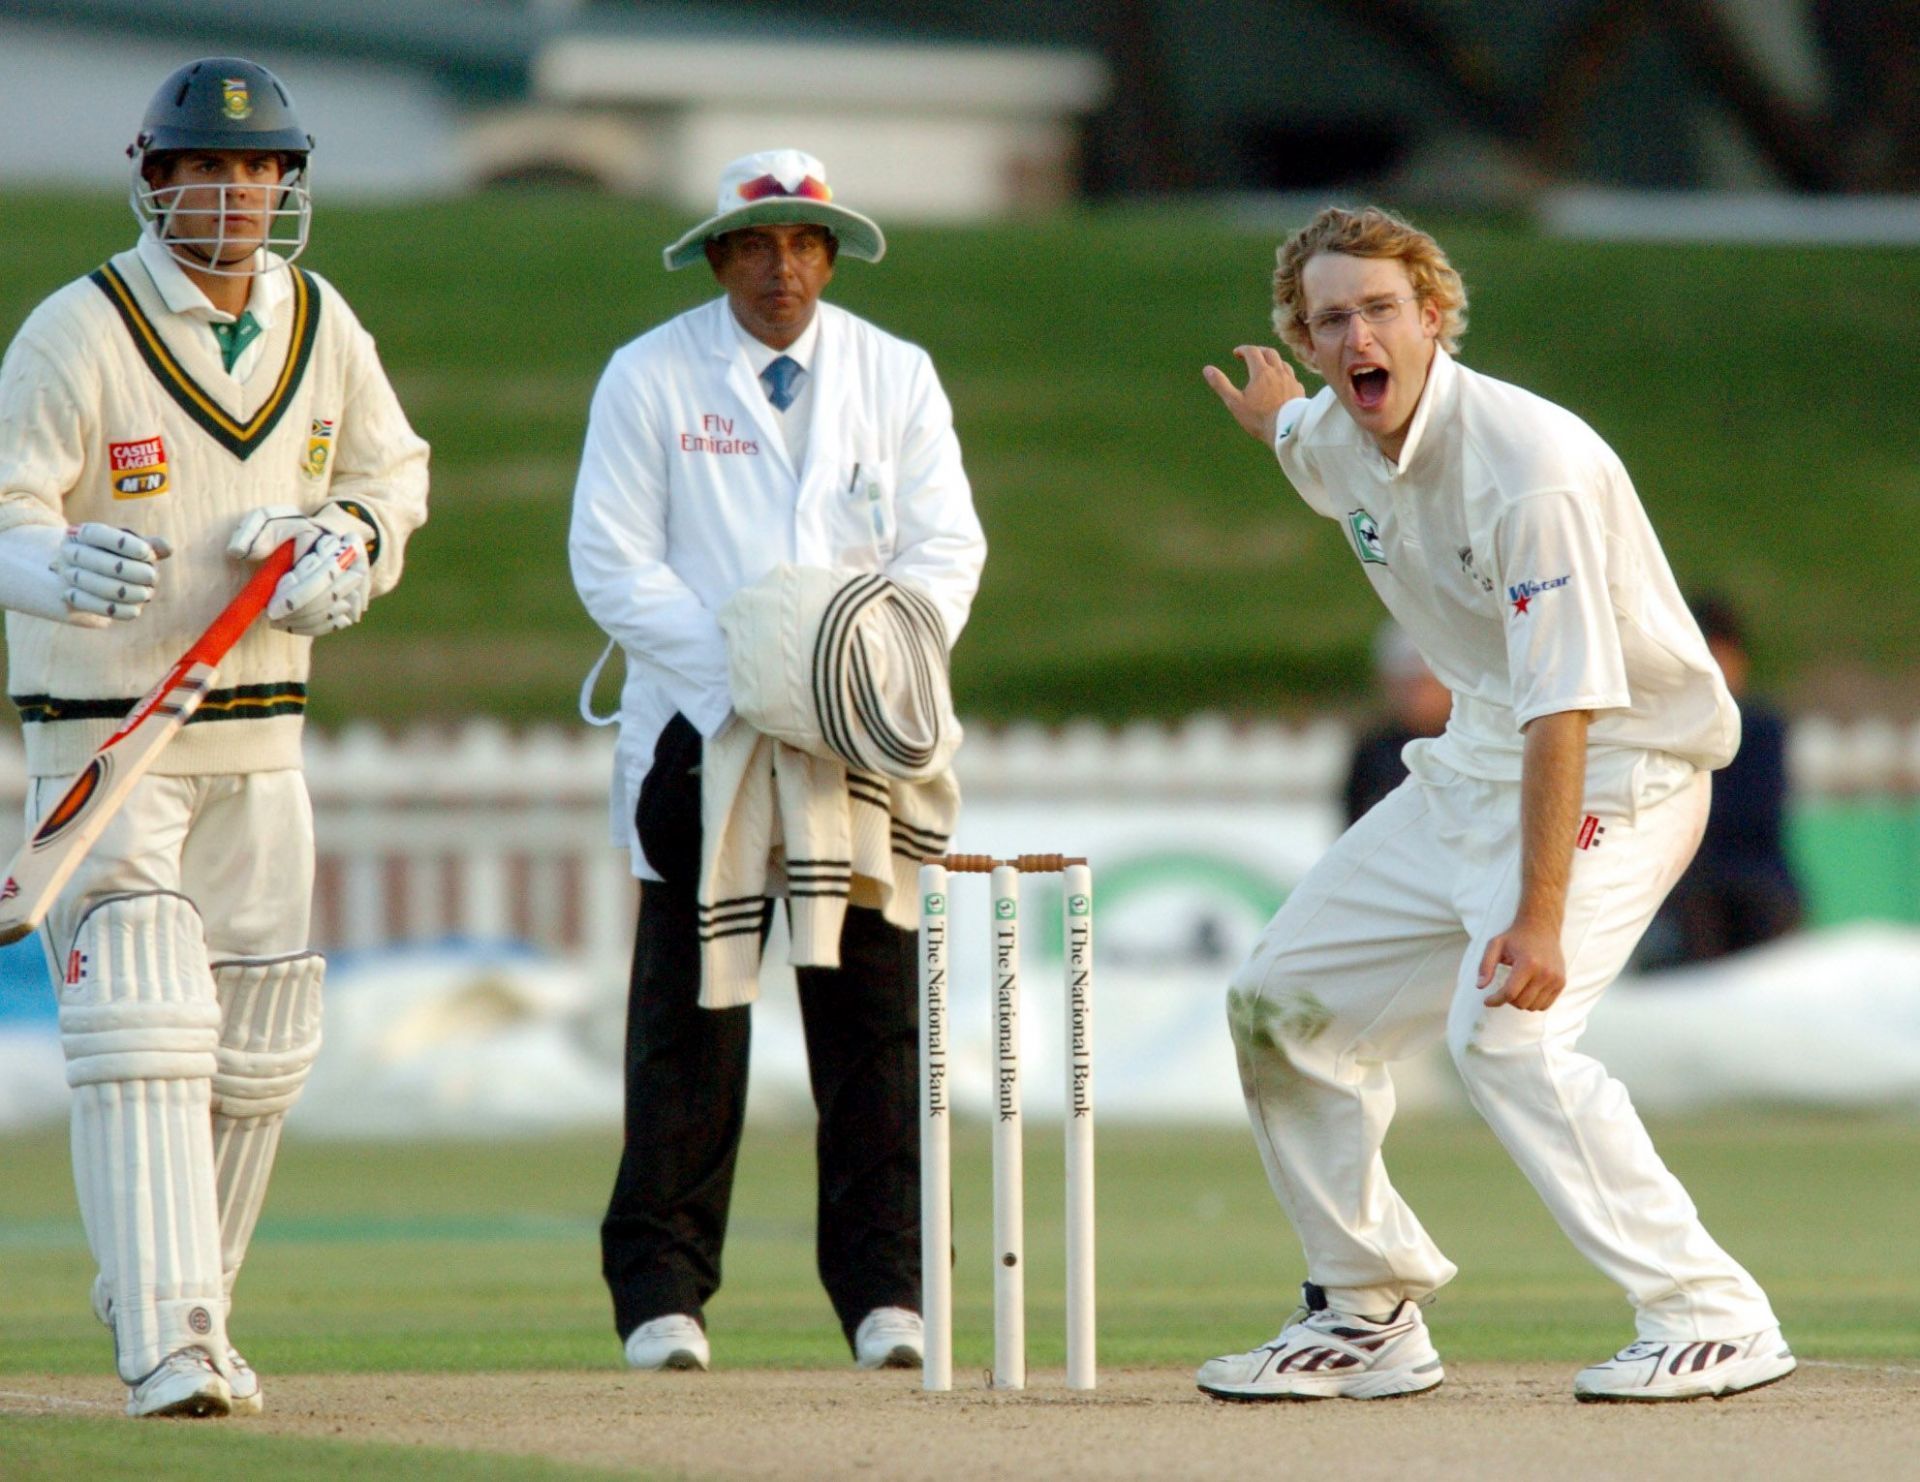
column 138, row 469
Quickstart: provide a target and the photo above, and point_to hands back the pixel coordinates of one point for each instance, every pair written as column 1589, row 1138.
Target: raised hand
column 1271, row 384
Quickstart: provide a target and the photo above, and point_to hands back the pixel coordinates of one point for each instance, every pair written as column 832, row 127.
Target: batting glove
column 264, row 531
column 107, row 575
column 327, row 590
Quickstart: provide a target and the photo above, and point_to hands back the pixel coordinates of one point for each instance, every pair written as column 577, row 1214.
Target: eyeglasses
column 1331, row 324
column 769, row 185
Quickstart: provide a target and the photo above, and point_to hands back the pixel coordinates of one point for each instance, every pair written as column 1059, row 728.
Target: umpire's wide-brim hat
column 779, row 186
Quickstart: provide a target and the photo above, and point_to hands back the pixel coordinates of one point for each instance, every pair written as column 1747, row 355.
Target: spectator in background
column 1418, row 705
column 1740, row 890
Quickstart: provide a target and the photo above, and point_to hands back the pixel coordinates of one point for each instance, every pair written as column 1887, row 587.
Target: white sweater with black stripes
column 115, row 408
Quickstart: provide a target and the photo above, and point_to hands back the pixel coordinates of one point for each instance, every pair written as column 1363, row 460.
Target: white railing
column 473, row 832
column 1830, row 758
column 480, row 832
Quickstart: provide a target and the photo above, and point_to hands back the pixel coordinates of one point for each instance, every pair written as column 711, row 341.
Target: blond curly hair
column 1368, row 232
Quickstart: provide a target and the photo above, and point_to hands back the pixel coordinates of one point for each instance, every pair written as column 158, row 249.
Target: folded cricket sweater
column 854, row 789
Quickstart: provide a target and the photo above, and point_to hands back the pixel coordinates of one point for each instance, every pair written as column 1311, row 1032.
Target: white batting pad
column 140, row 1025
column 269, row 1037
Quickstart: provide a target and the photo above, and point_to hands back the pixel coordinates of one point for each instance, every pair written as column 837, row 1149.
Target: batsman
column 166, row 421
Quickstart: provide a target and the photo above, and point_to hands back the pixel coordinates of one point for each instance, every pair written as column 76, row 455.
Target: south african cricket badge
column 235, row 101
column 319, row 448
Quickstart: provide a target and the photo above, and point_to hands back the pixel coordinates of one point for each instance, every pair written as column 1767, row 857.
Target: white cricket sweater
column 115, row 407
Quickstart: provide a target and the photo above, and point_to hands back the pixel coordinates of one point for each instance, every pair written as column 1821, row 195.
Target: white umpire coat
column 686, row 494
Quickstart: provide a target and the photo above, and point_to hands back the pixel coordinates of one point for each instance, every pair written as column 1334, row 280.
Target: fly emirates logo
column 716, row 436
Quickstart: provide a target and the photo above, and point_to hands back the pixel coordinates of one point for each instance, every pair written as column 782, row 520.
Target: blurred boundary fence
column 480, row 832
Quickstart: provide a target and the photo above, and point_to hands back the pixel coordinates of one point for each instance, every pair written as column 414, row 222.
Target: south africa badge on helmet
column 235, row 99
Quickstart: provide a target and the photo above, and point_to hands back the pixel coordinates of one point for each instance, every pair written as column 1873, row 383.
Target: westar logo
column 1526, row 591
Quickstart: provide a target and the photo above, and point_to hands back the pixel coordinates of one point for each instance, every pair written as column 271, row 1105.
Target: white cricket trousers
column 1375, row 955
column 239, row 846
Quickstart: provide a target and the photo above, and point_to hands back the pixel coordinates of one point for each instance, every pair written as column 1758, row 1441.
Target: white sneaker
column 889, row 1338
column 675, row 1341
column 1323, row 1354
column 185, row 1382
column 1687, row 1369
column 244, row 1385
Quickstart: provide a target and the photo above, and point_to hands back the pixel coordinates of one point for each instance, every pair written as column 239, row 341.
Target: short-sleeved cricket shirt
column 1509, row 543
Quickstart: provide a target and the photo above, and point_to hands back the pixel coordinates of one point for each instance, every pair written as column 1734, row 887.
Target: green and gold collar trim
column 238, row 438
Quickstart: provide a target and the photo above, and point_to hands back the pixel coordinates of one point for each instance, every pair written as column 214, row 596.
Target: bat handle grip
column 226, row 629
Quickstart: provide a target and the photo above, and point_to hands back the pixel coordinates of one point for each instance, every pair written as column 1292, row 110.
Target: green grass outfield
column 1147, row 558
column 468, row 1257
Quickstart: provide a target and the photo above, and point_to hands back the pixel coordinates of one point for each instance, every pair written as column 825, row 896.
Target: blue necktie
column 782, row 379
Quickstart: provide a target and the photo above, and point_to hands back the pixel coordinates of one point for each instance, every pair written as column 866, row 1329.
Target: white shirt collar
column 760, row 355
column 1441, row 375
column 182, row 296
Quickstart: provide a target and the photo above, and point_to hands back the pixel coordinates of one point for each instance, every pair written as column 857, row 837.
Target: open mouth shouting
column 1369, row 383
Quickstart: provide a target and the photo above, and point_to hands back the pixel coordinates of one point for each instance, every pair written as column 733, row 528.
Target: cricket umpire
column 763, row 428
column 1493, row 896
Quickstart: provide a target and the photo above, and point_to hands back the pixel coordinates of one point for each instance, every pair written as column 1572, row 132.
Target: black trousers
column 686, row 1084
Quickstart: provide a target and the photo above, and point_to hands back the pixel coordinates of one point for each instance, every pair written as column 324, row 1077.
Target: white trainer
column 185, row 1382
column 1687, row 1369
column 1323, row 1354
column 675, row 1341
column 889, row 1338
column 244, row 1385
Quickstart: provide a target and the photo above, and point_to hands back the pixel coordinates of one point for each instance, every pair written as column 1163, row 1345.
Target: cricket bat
column 74, row 824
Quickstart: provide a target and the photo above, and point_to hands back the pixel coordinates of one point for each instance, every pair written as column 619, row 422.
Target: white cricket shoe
column 244, row 1385
column 1687, row 1369
column 1323, row 1354
column 889, row 1338
column 185, row 1382
column 675, row 1341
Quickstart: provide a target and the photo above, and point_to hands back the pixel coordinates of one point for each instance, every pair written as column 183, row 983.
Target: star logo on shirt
column 1524, row 593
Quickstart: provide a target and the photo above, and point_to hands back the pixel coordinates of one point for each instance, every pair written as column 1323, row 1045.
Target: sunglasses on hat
column 764, row 186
